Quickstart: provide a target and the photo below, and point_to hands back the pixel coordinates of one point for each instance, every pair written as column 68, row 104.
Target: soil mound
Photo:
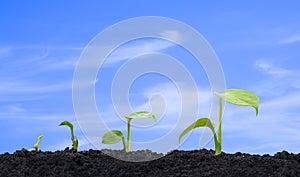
column 69, row 163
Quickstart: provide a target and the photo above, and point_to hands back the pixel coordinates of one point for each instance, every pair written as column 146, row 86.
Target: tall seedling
column 234, row 96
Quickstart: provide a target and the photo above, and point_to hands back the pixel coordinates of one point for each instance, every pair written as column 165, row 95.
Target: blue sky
column 256, row 42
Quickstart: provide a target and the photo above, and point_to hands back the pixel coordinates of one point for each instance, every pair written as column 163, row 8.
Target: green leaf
column 202, row 122
column 112, row 137
column 240, row 97
column 141, row 115
column 67, row 123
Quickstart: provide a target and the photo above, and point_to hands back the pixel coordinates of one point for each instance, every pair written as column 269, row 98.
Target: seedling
column 234, row 96
column 115, row 136
column 36, row 145
column 73, row 138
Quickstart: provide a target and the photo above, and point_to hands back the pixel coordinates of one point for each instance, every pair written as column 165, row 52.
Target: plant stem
column 124, row 143
column 215, row 140
column 72, row 135
column 219, row 147
column 128, row 135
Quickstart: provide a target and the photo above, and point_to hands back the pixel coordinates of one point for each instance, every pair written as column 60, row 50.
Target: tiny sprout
column 114, row 136
column 36, row 145
column 73, row 138
column 234, row 96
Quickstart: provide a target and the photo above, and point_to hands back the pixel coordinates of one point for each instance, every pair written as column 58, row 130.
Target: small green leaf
column 141, row 115
column 202, row 122
column 240, row 97
column 112, row 137
column 67, row 123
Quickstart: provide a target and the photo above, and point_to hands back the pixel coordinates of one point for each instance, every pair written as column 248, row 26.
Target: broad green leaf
column 240, row 97
column 202, row 122
column 141, row 115
column 67, row 123
column 112, row 137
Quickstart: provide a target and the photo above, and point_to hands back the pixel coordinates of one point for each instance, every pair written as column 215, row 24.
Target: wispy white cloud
column 18, row 111
column 136, row 48
column 27, row 87
column 290, row 40
column 38, row 59
column 28, row 72
column 278, row 82
column 269, row 68
column 58, row 63
column 13, row 108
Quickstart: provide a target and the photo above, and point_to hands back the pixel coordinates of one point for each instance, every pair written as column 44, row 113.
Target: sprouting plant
column 36, row 145
column 114, row 136
column 73, row 138
column 234, row 96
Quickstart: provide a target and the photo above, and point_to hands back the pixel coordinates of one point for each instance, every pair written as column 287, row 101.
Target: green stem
column 72, row 135
column 124, row 143
column 128, row 135
column 215, row 139
column 219, row 144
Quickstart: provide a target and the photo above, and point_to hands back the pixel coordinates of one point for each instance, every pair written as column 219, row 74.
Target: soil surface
column 69, row 163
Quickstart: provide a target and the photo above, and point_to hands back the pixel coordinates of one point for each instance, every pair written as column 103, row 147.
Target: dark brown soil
column 195, row 163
